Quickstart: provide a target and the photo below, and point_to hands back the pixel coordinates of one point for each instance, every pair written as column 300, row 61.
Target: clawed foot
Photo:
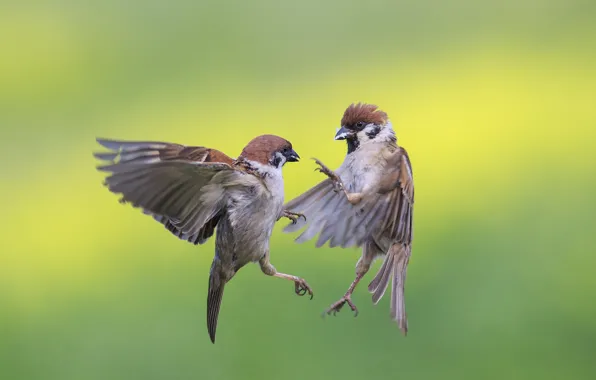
column 336, row 307
column 302, row 288
column 337, row 183
column 293, row 216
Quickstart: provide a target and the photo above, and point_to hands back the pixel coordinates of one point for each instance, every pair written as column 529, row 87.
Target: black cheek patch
column 275, row 161
column 373, row 132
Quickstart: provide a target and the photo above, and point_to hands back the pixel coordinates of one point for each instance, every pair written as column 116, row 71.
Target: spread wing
column 386, row 215
column 180, row 186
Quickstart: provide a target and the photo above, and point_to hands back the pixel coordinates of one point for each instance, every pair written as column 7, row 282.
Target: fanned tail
column 214, row 296
column 378, row 285
column 394, row 267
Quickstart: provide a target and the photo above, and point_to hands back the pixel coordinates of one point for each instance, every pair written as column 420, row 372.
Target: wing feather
column 177, row 185
column 385, row 214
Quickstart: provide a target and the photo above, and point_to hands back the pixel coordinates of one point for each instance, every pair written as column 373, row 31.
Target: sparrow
column 367, row 202
column 194, row 191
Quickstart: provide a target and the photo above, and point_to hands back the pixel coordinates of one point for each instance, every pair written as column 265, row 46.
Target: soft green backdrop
column 495, row 101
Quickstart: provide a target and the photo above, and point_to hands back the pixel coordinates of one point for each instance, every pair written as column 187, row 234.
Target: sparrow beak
column 292, row 156
column 343, row 133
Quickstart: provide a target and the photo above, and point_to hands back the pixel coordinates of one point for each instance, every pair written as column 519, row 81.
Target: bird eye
column 360, row 124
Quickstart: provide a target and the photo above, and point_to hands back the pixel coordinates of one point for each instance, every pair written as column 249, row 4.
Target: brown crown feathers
column 260, row 148
column 361, row 112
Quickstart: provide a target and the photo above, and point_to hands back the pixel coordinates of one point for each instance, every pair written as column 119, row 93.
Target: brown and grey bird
column 195, row 191
column 367, row 202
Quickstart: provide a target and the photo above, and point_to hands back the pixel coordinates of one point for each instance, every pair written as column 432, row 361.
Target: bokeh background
column 495, row 102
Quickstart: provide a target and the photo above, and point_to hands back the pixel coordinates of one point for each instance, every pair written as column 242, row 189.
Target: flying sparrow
column 367, row 202
column 194, row 191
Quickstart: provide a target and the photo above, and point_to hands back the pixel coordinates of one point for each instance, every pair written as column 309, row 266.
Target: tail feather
column 398, row 302
column 394, row 267
column 214, row 296
column 378, row 285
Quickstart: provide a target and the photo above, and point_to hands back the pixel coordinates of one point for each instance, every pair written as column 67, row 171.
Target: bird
column 367, row 202
column 195, row 191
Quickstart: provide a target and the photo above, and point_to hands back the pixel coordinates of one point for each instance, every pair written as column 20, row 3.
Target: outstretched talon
column 293, row 216
column 336, row 307
column 337, row 183
column 302, row 288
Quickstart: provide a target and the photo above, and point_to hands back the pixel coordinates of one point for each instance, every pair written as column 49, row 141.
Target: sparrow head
column 363, row 123
column 269, row 150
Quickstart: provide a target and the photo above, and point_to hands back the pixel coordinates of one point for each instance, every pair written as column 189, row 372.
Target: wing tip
column 105, row 167
column 320, row 242
column 105, row 156
column 108, row 143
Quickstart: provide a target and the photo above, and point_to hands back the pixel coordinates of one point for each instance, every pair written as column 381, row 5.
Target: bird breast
column 363, row 166
column 252, row 213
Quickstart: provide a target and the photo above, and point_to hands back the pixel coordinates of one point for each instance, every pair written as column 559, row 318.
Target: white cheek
column 274, row 181
column 362, row 135
column 385, row 133
column 281, row 158
column 266, row 170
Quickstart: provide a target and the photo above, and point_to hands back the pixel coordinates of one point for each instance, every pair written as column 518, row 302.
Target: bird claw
column 337, row 182
column 337, row 306
column 293, row 216
column 301, row 288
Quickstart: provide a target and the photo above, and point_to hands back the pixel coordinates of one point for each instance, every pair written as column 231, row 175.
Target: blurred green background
column 495, row 102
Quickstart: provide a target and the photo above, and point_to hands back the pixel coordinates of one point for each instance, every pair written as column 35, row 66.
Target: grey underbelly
column 246, row 243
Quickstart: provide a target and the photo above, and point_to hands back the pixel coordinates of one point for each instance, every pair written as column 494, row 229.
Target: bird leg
column 346, row 299
column 293, row 216
column 300, row 285
column 338, row 185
